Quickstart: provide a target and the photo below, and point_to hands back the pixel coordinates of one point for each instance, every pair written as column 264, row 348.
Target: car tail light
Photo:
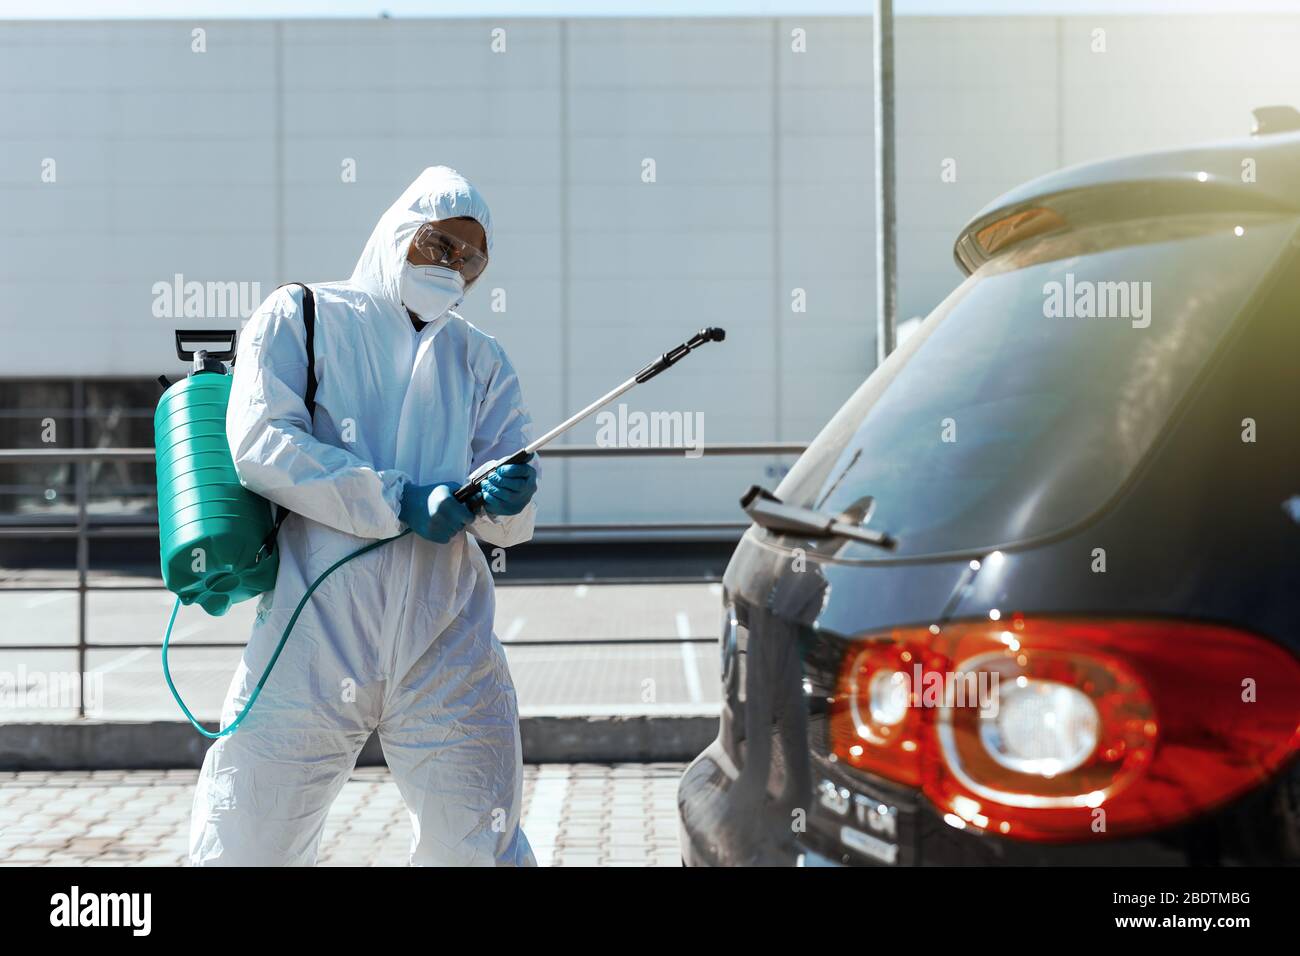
column 1060, row 729
column 877, row 728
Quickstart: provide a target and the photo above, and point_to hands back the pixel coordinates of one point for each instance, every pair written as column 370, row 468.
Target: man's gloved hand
column 433, row 512
column 508, row 489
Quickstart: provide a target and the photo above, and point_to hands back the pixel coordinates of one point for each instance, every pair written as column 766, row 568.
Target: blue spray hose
column 266, row 674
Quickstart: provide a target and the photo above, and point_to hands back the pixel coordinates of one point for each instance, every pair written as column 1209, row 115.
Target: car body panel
column 1205, row 528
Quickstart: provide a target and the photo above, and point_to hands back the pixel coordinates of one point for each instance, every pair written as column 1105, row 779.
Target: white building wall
column 227, row 166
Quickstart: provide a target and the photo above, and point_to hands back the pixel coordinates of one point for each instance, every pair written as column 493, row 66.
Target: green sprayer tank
column 211, row 528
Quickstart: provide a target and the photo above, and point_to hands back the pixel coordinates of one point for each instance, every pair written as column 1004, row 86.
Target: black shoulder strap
column 309, row 322
column 308, row 397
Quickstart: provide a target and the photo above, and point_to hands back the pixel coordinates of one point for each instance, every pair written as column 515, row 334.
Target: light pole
column 882, row 36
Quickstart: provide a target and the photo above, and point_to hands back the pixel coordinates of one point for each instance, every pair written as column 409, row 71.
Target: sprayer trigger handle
column 468, row 493
column 482, row 471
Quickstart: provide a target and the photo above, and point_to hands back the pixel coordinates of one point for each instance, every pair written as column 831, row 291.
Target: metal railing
column 83, row 530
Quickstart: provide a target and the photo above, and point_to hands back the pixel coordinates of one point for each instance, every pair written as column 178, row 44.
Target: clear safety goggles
column 435, row 247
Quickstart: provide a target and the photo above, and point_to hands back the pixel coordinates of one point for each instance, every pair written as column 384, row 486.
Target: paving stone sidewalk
column 574, row 815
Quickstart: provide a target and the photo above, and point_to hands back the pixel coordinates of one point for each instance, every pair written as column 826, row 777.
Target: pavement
column 588, row 647
column 573, row 814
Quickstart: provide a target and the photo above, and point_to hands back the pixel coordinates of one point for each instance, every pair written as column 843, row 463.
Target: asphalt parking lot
column 588, row 647
column 573, row 647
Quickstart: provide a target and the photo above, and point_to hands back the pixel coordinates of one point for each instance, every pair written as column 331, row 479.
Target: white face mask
column 429, row 291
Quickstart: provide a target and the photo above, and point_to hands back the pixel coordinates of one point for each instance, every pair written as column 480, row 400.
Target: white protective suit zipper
column 391, row 677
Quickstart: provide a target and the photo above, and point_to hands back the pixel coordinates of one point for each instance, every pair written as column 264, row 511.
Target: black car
column 1033, row 595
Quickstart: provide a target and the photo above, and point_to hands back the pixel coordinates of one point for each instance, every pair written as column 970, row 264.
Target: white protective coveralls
column 400, row 639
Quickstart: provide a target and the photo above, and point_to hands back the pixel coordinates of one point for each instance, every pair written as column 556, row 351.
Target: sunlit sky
column 184, row 9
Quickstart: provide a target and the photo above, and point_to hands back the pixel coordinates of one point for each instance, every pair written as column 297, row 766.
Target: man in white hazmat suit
column 411, row 398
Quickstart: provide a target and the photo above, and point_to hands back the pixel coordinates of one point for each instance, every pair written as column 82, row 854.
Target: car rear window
column 1026, row 399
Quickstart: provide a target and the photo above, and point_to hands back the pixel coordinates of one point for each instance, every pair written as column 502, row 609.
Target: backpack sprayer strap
column 308, row 398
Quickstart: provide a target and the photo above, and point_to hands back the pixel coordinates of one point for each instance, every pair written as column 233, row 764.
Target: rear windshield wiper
column 768, row 511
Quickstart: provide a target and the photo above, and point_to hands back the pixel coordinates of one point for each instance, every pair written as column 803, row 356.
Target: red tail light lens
column 876, row 727
column 1052, row 729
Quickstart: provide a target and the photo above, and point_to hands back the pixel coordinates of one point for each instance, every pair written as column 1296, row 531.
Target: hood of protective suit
column 437, row 193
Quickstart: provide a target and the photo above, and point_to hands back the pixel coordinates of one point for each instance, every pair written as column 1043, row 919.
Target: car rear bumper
column 718, row 829
column 713, row 832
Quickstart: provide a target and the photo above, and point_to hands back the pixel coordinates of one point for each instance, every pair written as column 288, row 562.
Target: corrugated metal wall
column 229, row 165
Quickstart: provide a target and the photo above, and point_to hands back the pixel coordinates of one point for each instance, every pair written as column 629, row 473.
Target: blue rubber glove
column 508, row 489
column 432, row 511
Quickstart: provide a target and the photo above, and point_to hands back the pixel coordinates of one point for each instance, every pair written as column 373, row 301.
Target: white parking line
column 542, row 821
column 513, row 630
column 690, row 668
column 124, row 660
column 197, row 626
column 683, row 625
